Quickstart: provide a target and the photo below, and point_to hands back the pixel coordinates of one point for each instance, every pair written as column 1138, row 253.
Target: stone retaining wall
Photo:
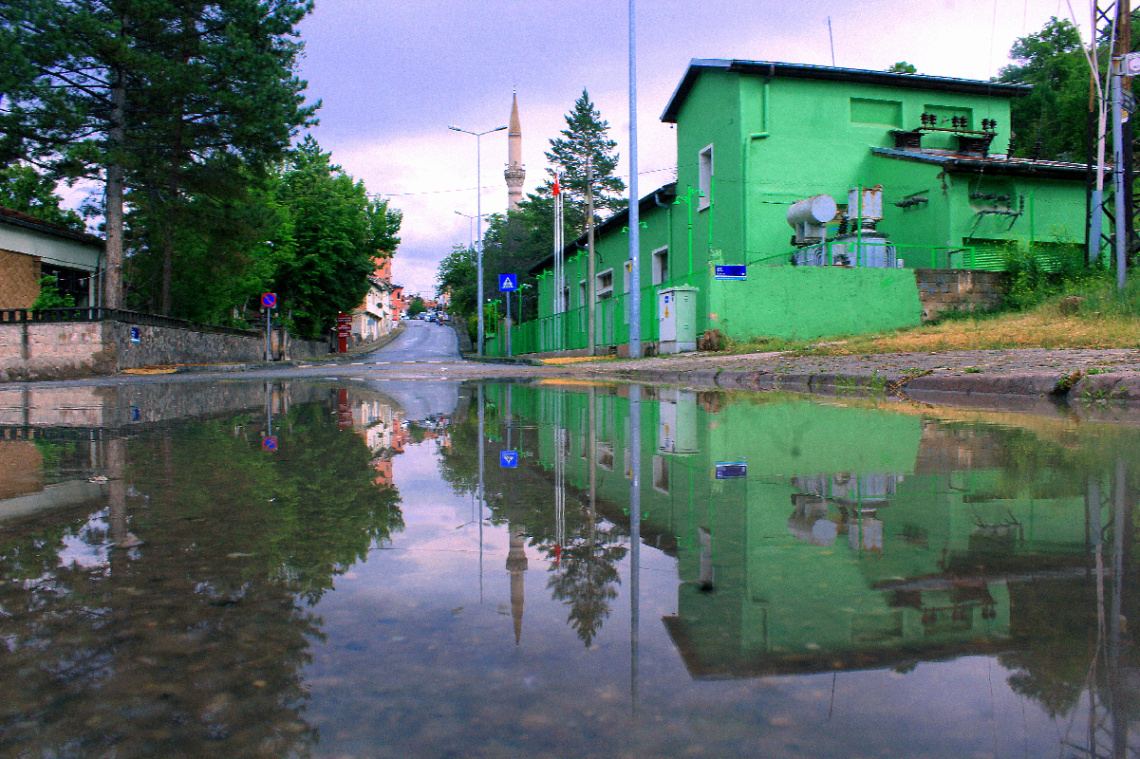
column 958, row 290
column 63, row 350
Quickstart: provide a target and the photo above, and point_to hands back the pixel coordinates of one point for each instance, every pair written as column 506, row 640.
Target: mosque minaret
column 515, row 173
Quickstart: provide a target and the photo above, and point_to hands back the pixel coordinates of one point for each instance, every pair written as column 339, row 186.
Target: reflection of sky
column 88, row 548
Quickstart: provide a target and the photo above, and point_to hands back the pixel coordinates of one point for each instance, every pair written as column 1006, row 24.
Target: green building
column 897, row 175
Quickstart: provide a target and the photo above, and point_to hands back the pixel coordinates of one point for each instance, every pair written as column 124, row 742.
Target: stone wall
column 40, row 351
column 958, row 290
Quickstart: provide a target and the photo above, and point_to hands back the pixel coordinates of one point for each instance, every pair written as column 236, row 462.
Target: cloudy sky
column 393, row 75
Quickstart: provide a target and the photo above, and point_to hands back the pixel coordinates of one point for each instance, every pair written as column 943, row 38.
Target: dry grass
column 576, row 359
column 1034, row 329
column 1042, row 327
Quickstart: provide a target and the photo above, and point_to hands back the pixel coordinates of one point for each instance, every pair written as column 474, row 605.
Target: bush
column 50, row 296
column 1033, row 278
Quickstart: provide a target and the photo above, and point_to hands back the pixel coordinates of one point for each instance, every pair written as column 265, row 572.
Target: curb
column 1055, row 385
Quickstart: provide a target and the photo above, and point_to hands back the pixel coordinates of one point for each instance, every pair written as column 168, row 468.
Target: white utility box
column 677, row 320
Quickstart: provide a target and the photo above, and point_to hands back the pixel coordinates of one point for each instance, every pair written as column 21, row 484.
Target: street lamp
column 479, row 218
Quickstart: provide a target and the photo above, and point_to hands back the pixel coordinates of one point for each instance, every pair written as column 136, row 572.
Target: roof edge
column 834, row 73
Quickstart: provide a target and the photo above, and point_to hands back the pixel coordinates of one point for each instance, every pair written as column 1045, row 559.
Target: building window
column 660, row 266
column 604, row 286
column 627, row 272
column 705, row 175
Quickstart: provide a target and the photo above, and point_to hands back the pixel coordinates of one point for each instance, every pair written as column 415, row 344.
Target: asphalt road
column 420, row 341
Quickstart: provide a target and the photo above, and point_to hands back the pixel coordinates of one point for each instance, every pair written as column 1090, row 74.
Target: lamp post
column 479, row 218
column 470, row 228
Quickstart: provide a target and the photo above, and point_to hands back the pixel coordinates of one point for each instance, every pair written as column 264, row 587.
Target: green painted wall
column 805, row 302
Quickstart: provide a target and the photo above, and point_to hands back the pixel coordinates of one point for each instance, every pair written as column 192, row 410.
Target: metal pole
column 508, row 324
column 634, row 214
column 1118, row 170
column 269, row 334
column 592, row 268
column 479, row 217
column 479, row 240
column 634, row 538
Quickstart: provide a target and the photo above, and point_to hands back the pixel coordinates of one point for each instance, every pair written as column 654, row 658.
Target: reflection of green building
column 855, row 537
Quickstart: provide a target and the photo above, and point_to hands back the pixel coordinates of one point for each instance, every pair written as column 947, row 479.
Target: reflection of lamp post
column 479, row 218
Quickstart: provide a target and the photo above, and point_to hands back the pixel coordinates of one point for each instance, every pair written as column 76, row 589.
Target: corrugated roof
column 19, row 219
column 995, row 164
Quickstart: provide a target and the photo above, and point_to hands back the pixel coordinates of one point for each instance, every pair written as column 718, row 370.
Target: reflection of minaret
column 515, row 173
column 516, row 565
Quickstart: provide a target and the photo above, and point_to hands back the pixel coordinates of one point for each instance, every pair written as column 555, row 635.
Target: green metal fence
column 568, row 330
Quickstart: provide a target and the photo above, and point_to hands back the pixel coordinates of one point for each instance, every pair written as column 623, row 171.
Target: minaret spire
column 515, row 173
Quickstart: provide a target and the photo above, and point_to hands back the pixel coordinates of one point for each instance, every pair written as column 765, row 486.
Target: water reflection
column 788, row 578
column 163, row 610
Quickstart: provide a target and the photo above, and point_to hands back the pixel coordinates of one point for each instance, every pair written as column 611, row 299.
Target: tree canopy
column 1051, row 121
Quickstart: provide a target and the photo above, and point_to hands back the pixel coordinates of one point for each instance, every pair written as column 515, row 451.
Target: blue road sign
column 731, row 272
column 269, row 300
column 136, row 335
column 730, row 470
column 509, row 459
column 508, row 283
column 269, row 444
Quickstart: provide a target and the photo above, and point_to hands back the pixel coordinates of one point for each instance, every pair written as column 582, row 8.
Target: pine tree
column 148, row 94
column 585, row 148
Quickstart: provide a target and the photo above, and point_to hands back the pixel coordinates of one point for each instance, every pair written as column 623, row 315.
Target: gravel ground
column 1066, row 375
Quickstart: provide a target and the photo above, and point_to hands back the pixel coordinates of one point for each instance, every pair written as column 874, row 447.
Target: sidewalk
column 1112, row 374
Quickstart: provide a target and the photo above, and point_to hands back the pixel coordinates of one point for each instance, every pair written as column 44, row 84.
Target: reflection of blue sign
column 269, row 444
column 509, row 459
column 269, row 300
column 136, row 414
column 136, row 335
column 728, row 470
column 508, row 283
column 732, row 272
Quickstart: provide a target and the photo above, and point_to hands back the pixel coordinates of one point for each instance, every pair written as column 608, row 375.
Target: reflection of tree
column 587, row 576
column 309, row 511
column 193, row 643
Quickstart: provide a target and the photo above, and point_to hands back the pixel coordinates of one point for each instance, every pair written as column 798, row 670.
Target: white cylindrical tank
column 819, row 209
column 809, row 217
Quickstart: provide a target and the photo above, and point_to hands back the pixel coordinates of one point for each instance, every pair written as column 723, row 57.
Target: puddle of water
column 418, row 569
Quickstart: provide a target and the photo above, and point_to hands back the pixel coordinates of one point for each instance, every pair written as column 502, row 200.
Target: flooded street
column 368, row 568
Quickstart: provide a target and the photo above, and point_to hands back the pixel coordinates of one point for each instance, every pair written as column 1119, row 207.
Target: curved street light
column 479, row 218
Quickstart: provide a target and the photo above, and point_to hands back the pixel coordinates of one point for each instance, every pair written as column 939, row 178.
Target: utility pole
column 1121, row 142
column 591, row 267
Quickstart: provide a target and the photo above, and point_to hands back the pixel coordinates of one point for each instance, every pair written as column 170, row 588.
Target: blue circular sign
column 269, row 444
column 269, row 300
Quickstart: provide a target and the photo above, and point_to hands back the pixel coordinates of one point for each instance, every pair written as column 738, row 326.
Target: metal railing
column 57, row 315
column 858, row 254
column 568, row 331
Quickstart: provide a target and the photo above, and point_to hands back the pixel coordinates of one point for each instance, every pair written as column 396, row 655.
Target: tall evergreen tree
column 585, row 150
column 149, row 93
